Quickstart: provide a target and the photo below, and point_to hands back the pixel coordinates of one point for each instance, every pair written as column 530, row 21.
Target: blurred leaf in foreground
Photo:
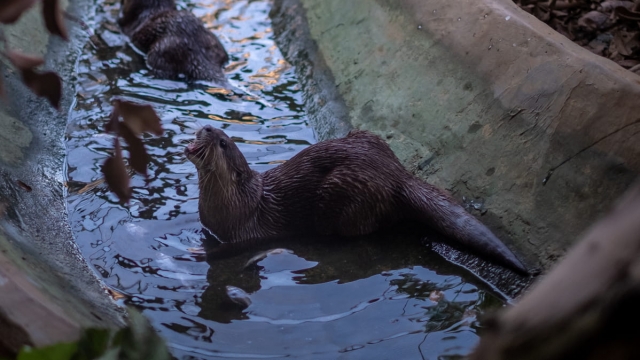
column 138, row 341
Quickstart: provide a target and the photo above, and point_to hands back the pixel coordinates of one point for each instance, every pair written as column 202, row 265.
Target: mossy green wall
column 482, row 99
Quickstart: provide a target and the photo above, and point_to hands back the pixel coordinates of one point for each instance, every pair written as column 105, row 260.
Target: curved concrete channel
column 478, row 97
column 535, row 134
column 48, row 292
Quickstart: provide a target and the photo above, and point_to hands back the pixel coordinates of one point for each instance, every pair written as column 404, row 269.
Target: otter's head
column 131, row 10
column 217, row 157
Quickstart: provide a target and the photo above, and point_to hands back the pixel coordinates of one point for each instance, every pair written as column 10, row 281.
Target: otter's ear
column 237, row 176
column 124, row 4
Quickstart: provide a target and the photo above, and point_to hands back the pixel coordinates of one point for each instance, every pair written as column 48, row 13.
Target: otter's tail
column 437, row 210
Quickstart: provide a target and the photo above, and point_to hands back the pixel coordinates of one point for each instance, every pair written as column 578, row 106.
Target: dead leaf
column 436, row 296
column 625, row 13
column 561, row 28
column 46, row 84
column 620, row 46
column 53, row 18
column 568, row 5
column 196, row 250
column 138, row 157
column 593, row 20
column 23, row 61
column 613, row 4
column 625, row 42
column 114, row 119
column 113, row 27
column 24, row 186
column 115, row 174
column 90, row 186
column 115, row 295
column 139, row 118
column 10, row 10
column 628, row 63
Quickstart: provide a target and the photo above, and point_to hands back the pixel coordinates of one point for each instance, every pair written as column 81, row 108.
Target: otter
column 177, row 44
column 342, row 187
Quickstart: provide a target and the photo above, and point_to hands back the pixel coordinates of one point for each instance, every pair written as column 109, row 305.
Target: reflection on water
column 369, row 298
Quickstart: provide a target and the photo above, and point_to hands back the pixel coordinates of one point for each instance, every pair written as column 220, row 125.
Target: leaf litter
column 609, row 28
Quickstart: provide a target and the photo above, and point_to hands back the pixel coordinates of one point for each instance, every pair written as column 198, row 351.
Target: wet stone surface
column 387, row 296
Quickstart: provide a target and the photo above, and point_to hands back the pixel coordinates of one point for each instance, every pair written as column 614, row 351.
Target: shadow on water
column 383, row 296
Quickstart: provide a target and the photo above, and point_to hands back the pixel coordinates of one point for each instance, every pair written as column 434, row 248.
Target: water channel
column 387, row 297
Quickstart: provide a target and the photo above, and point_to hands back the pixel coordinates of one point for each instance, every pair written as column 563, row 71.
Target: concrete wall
column 48, row 291
column 477, row 97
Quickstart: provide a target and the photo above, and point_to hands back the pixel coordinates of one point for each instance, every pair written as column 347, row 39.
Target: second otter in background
column 177, row 44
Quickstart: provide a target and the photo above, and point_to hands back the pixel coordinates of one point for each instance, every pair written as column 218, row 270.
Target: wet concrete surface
column 35, row 239
column 533, row 133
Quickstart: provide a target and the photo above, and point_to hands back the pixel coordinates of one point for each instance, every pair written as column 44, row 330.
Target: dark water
column 386, row 297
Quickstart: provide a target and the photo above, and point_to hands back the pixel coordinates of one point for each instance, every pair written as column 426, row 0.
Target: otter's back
column 177, row 43
column 353, row 178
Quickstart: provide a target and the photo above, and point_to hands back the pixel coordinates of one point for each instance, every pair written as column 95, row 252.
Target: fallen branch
column 585, row 308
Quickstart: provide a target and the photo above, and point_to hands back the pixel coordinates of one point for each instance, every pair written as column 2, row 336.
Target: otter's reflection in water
column 384, row 288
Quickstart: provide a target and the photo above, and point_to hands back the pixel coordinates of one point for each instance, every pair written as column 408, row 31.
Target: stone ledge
column 482, row 99
column 50, row 292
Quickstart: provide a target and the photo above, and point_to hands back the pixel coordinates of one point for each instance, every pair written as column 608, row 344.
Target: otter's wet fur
column 177, row 44
column 346, row 187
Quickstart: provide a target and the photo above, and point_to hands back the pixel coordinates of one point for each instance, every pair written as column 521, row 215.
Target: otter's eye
column 223, row 143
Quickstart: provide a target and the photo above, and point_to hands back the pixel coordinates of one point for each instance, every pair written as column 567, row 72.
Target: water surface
column 375, row 298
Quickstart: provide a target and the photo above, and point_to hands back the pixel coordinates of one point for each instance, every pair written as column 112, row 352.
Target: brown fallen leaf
column 629, row 63
column 53, row 18
column 138, row 157
column 567, row 5
column 139, row 118
column 115, row 295
column 10, row 10
column 561, row 28
column 90, row 186
column 23, row 61
column 114, row 119
column 196, row 250
column 436, row 296
column 611, row 5
column 625, row 13
column 46, row 84
column 24, row 186
column 115, row 174
column 594, row 20
column 620, row 45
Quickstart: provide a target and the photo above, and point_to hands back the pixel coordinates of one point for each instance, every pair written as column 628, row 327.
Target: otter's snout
column 207, row 129
column 208, row 141
column 195, row 149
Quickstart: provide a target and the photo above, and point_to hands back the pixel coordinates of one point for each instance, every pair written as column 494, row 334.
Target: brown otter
column 346, row 187
column 177, row 44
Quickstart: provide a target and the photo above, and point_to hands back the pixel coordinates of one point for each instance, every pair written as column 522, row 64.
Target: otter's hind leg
column 352, row 204
column 167, row 59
